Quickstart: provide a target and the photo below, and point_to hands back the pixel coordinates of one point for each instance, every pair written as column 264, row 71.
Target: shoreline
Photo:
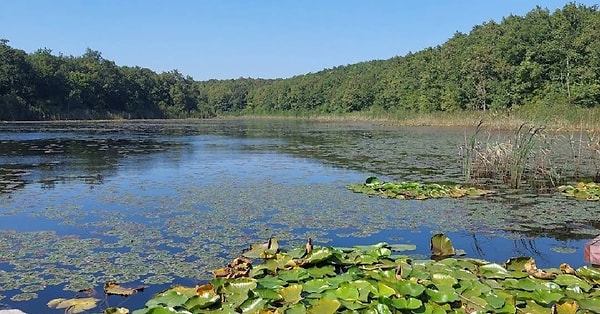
column 588, row 120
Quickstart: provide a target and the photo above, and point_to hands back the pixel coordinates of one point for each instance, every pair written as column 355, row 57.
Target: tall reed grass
column 531, row 155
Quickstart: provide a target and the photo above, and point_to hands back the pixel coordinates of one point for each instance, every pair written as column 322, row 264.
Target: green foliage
column 388, row 285
column 414, row 190
column 538, row 61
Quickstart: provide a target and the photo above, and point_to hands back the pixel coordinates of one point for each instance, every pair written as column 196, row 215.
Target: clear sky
column 224, row 39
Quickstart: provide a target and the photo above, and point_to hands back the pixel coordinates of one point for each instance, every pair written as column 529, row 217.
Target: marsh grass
column 522, row 150
column 468, row 152
column 531, row 155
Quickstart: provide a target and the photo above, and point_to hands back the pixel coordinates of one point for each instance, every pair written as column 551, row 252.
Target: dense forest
column 541, row 59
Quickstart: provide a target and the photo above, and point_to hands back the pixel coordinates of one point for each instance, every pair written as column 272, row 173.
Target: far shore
column 586, row 120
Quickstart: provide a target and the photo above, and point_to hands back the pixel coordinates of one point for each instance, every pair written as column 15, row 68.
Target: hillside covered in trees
column 541, row 59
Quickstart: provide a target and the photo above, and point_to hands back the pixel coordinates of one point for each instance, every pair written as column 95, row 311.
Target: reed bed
column 531, row 155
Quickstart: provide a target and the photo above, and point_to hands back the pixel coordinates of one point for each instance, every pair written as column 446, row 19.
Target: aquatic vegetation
column 75, row 305
column 585, row 191
column 414, row 190
column 467, row 152
column 531, row 155
column 367, row 279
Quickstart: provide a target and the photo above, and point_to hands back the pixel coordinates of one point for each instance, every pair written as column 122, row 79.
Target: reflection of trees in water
column 520, row 247
column 59, row 161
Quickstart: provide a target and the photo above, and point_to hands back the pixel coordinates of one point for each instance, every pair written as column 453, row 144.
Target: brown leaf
column 205, row 288
column 73, row 306
column 116, row 289
column 567, row 269
column 222, row 272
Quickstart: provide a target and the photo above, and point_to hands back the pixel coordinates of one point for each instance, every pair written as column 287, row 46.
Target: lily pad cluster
column 584, row 191
column 373, row 279
column 414, row 190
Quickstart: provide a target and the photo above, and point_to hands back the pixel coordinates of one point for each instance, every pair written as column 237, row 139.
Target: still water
column 157, row 203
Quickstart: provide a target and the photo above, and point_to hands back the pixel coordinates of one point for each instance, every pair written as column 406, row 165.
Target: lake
column 160, row 203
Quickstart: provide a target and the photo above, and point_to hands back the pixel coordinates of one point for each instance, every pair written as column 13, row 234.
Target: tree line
column 541, row 59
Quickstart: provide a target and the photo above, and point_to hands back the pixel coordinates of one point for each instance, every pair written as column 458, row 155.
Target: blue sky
column 224, row 39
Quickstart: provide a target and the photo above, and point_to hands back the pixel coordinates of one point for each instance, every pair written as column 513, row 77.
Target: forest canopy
column 542, row 59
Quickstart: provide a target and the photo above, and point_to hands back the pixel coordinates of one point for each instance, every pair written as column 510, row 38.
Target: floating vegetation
column 25, row 296
column 73, row 306
column 583, row 191
column 414, row 190
column 369, row 279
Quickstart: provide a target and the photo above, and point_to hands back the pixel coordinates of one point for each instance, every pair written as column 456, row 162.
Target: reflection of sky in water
column 211, row 193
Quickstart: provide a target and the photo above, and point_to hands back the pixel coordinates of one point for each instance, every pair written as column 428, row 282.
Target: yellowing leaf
column 73, row 306
column 565, row 308
column 116, row 289
column 291, row 294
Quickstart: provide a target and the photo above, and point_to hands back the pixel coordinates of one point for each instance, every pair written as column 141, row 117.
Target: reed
column 531, row 155
column 468, row 152
column 522, row 150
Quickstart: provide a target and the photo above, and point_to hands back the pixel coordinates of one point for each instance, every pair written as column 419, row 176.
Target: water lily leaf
column 545, row 297
column 589, row 273
column 380, row 252
column 294, row 275
column 353, row 305
column 442, row 294
column 463, row 274
column 317, row 285
column 443, row 279
column 116, row 289
column 494, row 271
column 73, row 306
column 253, row 305
column 324, row 306
column 169, row 298
column 565, row 307
column 157, row 310
column 534, row 308
column 268, row 294
column 385, row 290
column 321, row 272
column 590, row 304
column 240, row 285
column 271, row 282
column 441, row 245
column 495, row 301
column 116, row 310
column 528, row 284
column 406, row 303
column 366, row 259
column 517, row 263
column 346, row 293
column 202, row 300
column 320, row 254
column 297, row 308
column 572, row 281
column 291, row 294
